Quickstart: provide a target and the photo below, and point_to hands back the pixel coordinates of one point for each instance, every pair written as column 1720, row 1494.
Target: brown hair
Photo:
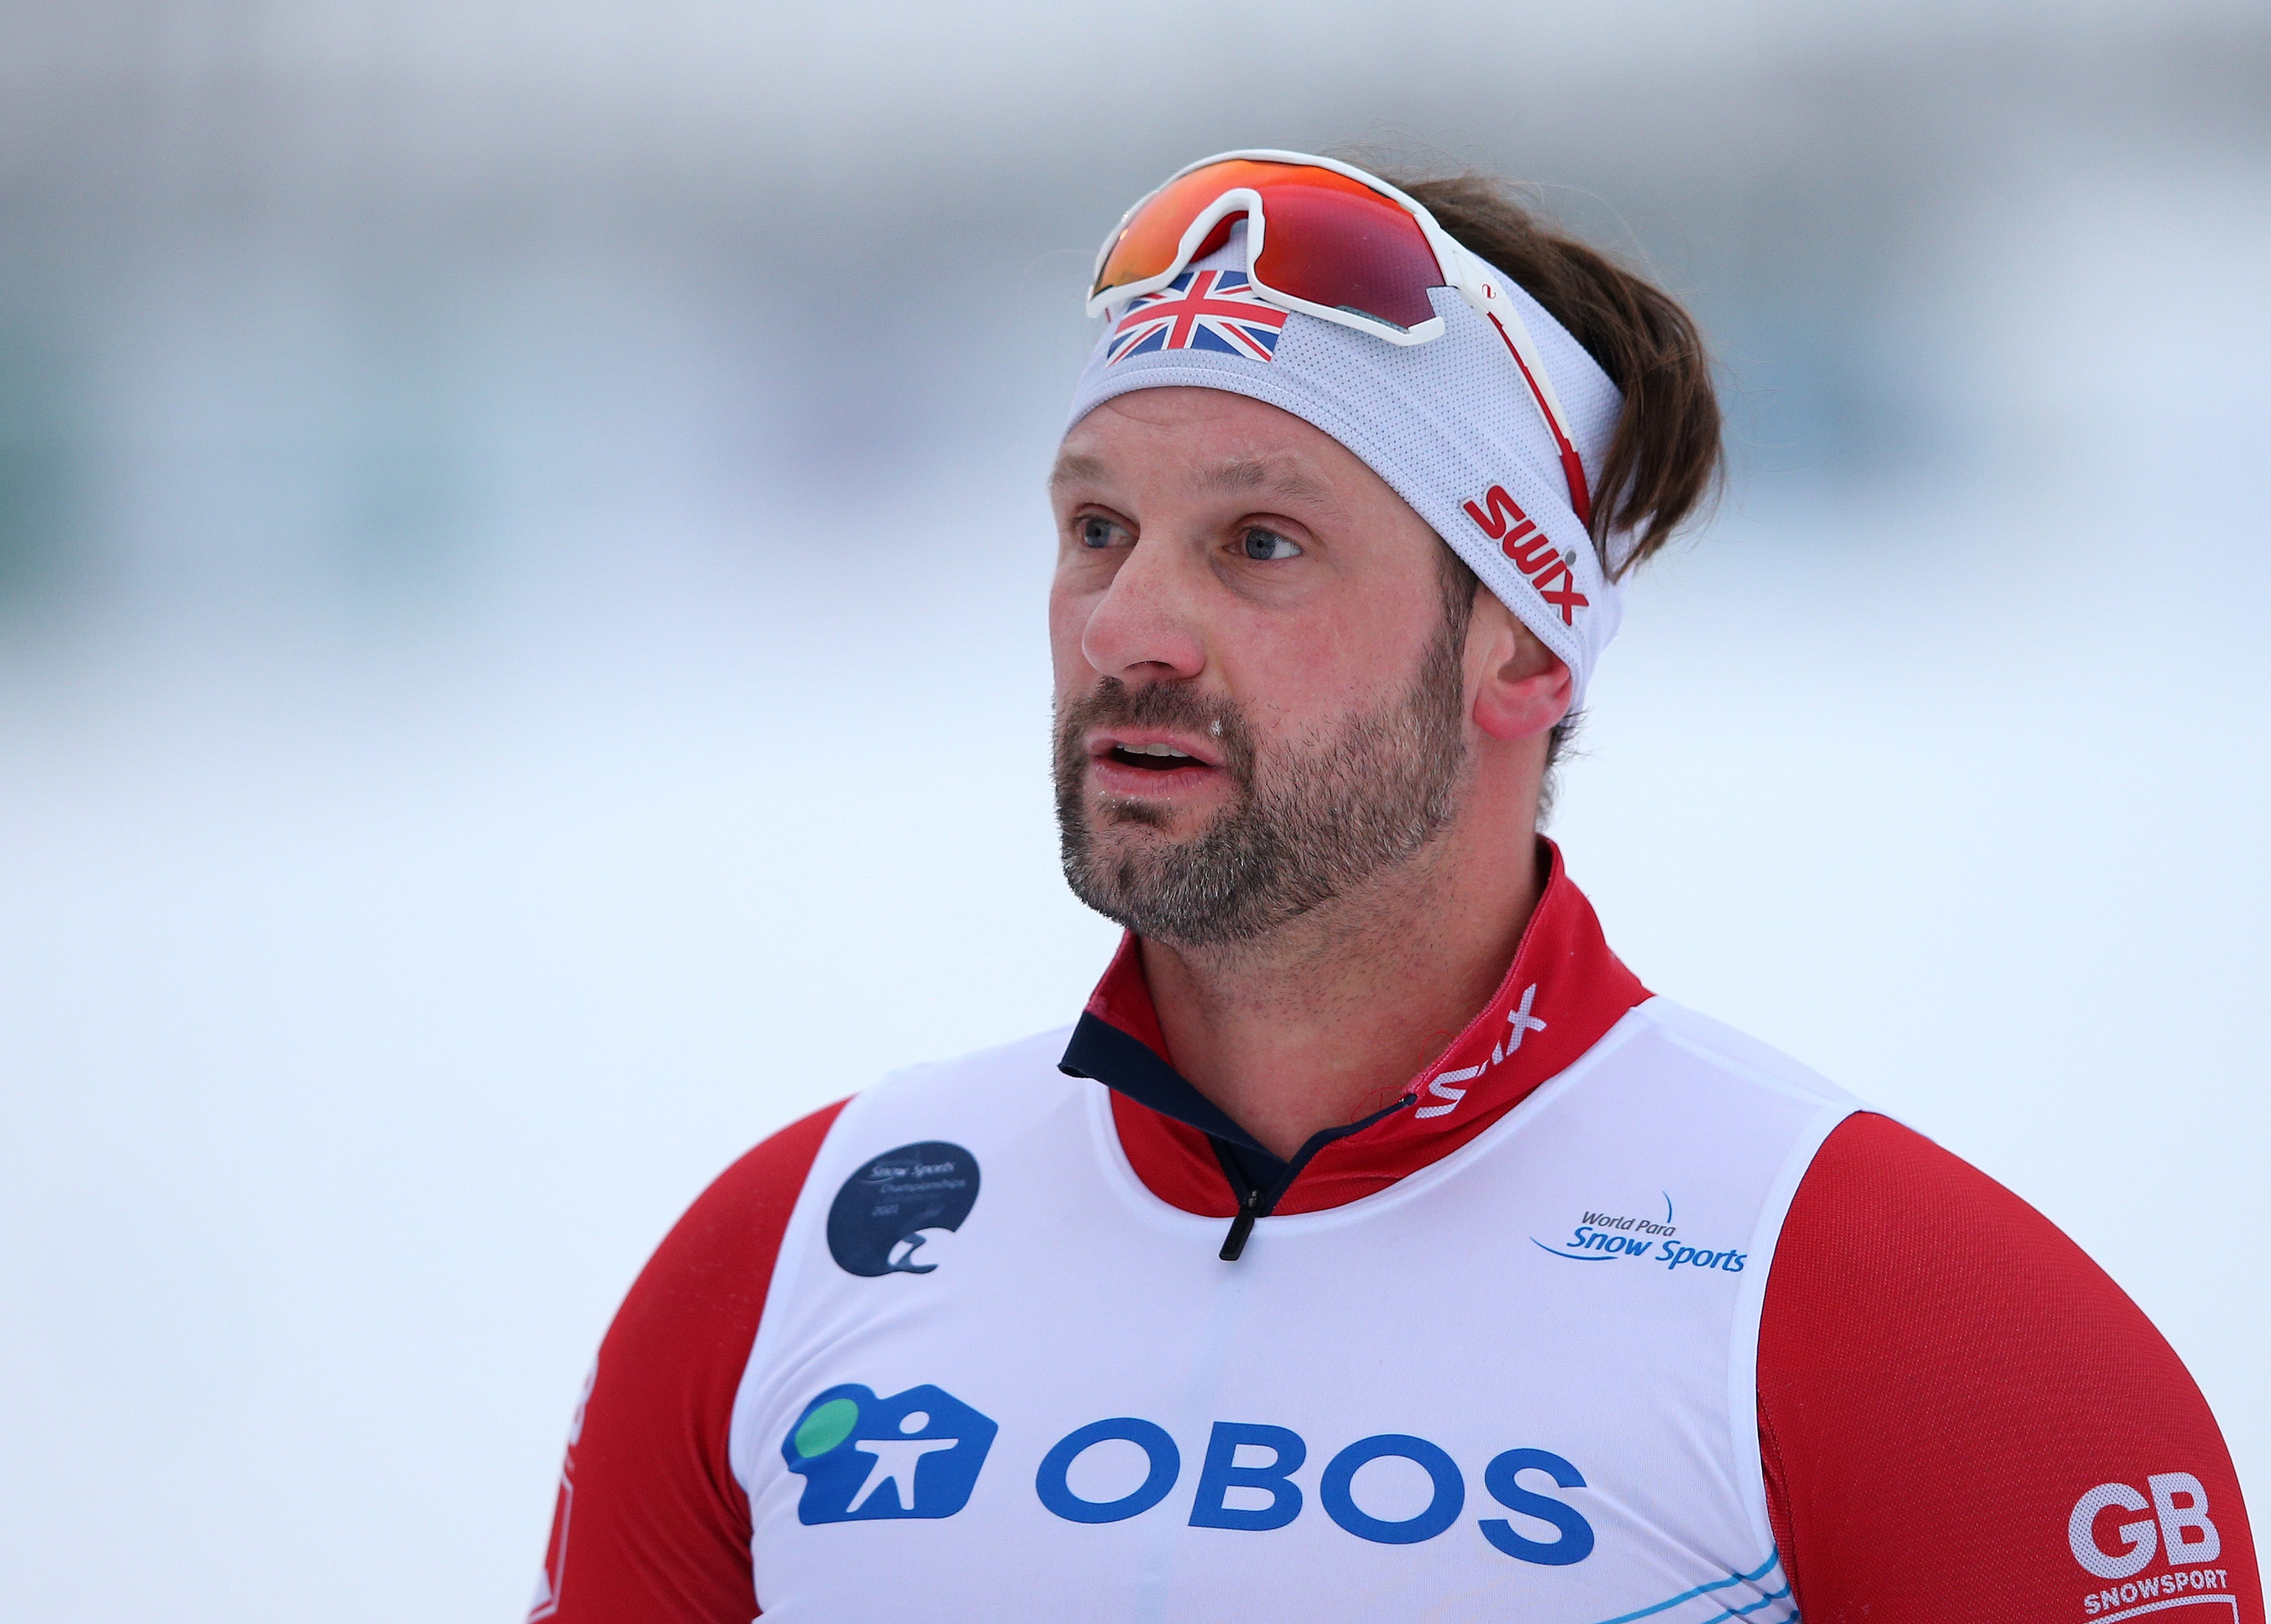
column 1665, row 458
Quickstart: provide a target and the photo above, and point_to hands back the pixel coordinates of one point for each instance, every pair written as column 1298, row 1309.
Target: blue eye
column 1266, row 546
column 1096, row 531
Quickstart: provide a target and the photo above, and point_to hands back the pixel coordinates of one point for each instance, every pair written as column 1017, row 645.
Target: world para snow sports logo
column 878, row 1219
column 865, row 1459
column 1603, row 1237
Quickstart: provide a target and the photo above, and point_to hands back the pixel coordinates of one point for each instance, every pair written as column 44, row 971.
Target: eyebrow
column 1244, row 473
column 1260, row 473
column 1076, row 465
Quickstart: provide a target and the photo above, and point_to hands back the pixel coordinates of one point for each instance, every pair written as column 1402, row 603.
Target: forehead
column 1209, row 440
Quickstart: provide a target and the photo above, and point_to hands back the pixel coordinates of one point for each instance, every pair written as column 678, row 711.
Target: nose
column 1145, row 627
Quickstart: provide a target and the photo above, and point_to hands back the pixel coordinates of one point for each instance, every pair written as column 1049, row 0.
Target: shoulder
column 1882, row 1206
column 1901, row 1258
column 685, row 1328
column 1930, row 1342
column 1713, row 1047
column 661, row 1529
column 971, row 1100
column 1004, row 1075
column 719, row 1255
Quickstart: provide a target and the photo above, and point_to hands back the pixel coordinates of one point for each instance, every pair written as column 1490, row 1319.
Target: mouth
column 1147, row 763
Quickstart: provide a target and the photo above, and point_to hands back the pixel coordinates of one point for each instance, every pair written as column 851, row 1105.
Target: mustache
column 1113, row 702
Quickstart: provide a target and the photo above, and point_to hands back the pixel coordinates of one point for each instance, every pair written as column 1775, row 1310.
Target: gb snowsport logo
column 2111, row 1540
column 917, row 1454
column 1552, row 571
column 1601, row 1237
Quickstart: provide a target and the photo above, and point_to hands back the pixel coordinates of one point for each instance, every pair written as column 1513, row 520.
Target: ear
column 1521, row 687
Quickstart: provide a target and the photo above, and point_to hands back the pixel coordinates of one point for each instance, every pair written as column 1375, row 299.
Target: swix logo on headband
column 1199, row 310
column 1533, row 554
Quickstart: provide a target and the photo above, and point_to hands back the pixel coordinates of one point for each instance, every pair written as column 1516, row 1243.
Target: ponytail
column 1665, row 459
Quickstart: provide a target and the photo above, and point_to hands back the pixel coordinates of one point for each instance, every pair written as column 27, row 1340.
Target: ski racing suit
column 1612, row 1315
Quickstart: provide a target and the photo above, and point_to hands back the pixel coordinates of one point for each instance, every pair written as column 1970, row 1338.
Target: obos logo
column 917, row 1454
column 914, row 1454
column 877, row 1220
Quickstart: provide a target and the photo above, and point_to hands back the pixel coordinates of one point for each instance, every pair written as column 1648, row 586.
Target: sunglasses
column 1327, row 239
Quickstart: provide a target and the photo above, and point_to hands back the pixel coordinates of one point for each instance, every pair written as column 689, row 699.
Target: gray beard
column 1315, row 822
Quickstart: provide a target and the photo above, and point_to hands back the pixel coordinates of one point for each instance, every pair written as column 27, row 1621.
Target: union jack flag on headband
column 1199, row 310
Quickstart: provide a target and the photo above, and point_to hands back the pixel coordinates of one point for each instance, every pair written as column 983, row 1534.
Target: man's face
column 1260, row 697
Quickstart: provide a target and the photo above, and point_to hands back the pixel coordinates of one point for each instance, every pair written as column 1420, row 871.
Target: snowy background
column 521, row 669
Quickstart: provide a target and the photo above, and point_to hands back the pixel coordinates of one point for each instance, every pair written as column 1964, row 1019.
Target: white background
column 521, row 561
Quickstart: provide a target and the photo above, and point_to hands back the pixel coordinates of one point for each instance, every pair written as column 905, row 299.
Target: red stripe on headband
column 1573, row 466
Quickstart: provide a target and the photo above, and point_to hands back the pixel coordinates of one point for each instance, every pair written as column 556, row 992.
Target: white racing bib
column 998, row 1378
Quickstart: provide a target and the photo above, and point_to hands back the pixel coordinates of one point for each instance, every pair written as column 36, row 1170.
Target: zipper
column 1254, row 1203
column 1243, row 1226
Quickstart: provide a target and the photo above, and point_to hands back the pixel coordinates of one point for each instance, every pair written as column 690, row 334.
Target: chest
column 1517, row 1384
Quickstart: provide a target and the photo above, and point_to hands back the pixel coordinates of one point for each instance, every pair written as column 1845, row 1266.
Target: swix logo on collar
column 1549, row 570
column 1442, row 1085
column 1562, row 994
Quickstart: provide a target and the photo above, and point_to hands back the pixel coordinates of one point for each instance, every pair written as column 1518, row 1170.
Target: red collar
column 1563, row 991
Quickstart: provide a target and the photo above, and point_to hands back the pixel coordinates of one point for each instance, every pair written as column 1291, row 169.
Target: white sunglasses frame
column 1476, row 282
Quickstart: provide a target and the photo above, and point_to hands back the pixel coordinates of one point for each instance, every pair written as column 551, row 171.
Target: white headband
column 1448, row 423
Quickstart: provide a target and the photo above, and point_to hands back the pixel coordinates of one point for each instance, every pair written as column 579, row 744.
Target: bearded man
column 1374, row 1246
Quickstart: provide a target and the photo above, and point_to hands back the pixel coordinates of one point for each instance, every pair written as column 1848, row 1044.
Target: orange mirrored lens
column 1331, row 241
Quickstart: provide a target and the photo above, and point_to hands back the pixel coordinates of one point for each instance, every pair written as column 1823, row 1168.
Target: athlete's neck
column 1328, row 1018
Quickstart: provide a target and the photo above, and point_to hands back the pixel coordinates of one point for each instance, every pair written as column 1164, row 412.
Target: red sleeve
column 1962, row 1418
column 649, row 1522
